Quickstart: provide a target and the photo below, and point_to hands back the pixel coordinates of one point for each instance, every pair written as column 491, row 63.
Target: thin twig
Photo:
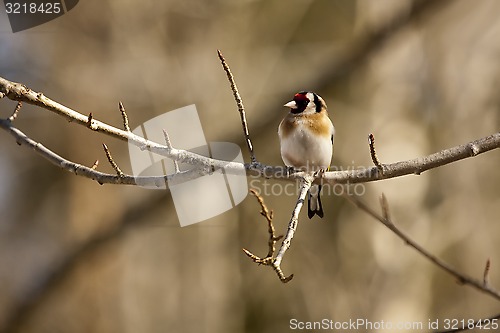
column 373, row 154
column 89, row 120
column 95, row 165
column 486, row 274
column 275, row 263
column 385, row 208
column 271, row 230
column 168, row 143
column 112, row 162
column 270, row 226
column 462, row 278
column 16, row 111
column 305, row 185
column 124, row 116
column 239, row 103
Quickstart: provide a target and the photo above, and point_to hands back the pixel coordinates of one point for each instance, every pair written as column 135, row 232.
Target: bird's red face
column 301, row 102
column 306, row 102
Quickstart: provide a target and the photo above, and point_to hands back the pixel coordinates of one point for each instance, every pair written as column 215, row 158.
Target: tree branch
column 462, row 278
column 21, row 93
column 92, row 173
column 124, row 116
column 269, row 260
column 415, row 166
column 305, row 185
column 373, row 154
column 241, row 107
column 272, row 231
column 386, row 221
column 205, row 165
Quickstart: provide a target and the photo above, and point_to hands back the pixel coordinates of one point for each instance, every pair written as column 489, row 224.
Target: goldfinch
column 306, row 139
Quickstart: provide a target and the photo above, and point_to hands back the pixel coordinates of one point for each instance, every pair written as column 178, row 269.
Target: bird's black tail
column 314, row 202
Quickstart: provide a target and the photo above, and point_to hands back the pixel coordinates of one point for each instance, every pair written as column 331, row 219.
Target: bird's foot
column 289, row 170
column 320, row 173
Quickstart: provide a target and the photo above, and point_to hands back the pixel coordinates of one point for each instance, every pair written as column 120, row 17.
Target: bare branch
column 462, row 278
column 19, row 92
column 95, row 165
column 239, row 103
column 275, row 263
column 124, row 117
column 272, row 233
column 269, row 217
column 91, row 173
column 415, row 166
column 418, row 165
column 305, row 185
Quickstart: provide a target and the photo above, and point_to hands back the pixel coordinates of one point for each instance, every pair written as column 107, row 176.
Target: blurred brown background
column 422, row 76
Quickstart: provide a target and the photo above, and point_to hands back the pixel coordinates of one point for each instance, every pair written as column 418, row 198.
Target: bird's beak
column 291, row 105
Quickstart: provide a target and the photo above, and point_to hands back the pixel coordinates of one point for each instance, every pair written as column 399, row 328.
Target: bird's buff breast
column 302, row 149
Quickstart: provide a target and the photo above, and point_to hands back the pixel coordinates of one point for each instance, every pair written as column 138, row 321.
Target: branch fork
column 269, row 260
